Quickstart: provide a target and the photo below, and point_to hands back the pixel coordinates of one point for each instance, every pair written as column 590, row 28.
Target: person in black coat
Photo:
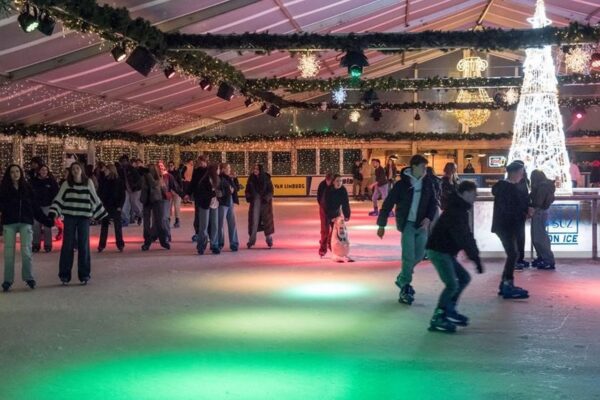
column 451, row 234
column 325, row 222
column 176, row 190
column 259, row 194
column 230, row 188
column 19, row 208
column 207, row 189
column 449, row 184
column 356, row 180
column 336, row 198
column 111, row 191
column 192, row 189
column 45, row 189
column 415, row 201
column 511, row 207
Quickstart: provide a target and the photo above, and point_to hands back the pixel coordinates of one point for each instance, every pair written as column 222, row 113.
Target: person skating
column 367, row 174
column 177, row 195
column 259, row 194
column 171, row 190
column 227, row 203
column 391, row 170
column 45, row 188
column 523, row 186
column 510, row 213
column 451, row 234
column 78, row 202
column 336, row 200
column 541, row 198
column 206, row 197
column 198, row 173
column 449, row 184
column 152, row 200
column 19, row 208
column 380, row 187
column 111, row 190
column 325, row 222
column 356, row 180
column 414, row 199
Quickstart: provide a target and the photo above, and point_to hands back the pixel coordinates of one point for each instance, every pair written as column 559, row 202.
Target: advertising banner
column 283, row 185
column 316, row 179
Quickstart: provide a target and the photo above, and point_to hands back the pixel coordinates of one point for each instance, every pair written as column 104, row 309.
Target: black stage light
column 47, row 23
column 248, row 102
column 169, row 71
column 263, row 108
column 28, row 21
column 226, row 92
column 141, row 60
column 376, row 114
column 417, row 116
column 354, row 61
column 118, row 52
column 205, row 84
column 370, row 97
column 274, row 111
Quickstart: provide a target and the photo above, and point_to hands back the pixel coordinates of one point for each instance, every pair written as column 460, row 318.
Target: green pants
column 453, row 274
column 10, row 238
column 413, row 243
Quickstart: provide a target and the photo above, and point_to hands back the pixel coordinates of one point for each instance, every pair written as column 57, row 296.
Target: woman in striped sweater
column 77, row 202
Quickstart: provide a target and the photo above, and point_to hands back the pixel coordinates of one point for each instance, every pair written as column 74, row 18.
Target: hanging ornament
column 354, row 116
column 596, row 60
column 577, row 60
column 472, row 67
column 339, row 95
column 308, row 65
column 511, row 96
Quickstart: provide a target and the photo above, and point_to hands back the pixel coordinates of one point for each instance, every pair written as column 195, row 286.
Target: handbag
column 214, row 203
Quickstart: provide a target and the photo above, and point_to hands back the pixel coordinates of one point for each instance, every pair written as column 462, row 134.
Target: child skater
column 450, row 235
column 337, row 209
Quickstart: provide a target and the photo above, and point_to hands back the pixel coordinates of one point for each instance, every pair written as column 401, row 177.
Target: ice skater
column 414, row 198
column 337, row 209
column 542, row 197
column 380, row 187
column 325, row 222
column 451, row 234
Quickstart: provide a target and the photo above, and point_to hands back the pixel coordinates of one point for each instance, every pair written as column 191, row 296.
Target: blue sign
column 563, row 224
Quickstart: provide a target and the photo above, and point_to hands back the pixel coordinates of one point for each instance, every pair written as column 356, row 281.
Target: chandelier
column 472, row 67
column 308, row 65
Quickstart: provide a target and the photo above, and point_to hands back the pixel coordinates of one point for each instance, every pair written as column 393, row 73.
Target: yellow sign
column 282, row 185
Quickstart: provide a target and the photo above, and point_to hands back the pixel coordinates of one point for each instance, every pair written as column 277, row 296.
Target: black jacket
column 448, row 188
column 380, row 176
column 401, row 196
column 321, row 190
column 542, row 195
column 227, row 184
column 112, row 193
column 197, row 176
column 44, row 190
column 510, row 206
column 452, row 233
column 356, row 175
column 20, row 206
column 202, row 189
column 334, row 199
column 262, row 187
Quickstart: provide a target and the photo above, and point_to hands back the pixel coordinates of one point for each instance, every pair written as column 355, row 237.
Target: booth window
column 185, row 156
column 237, row 161
column 330, row 161
column 350, row 156
column 307, row 162
column 258, row 157
column 213, row 156
column 282, row 163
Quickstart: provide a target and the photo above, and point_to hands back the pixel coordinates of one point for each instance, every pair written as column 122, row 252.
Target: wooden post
column 460, row 160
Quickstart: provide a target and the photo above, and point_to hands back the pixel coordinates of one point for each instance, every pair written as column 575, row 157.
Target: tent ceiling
column 68, row 78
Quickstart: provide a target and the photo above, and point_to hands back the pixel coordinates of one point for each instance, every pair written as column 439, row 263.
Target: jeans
column 539, row 236
column 377, row 190
column 227, row 213
column 364, row 186
column 452, row 273
column 257, row 205
column 414, row 239
column 153, row 224
column 39, row 230
column 132, row 208
column 10, row 238
column 207, row 219
column 521, row 241
column 115, row 216
column 509, row 241
column 166, row 214
column 175, row 205
column 76, row 229
column 356, row 185
column 325, row 228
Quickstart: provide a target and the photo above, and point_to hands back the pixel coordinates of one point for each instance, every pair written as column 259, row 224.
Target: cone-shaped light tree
column 539, row 138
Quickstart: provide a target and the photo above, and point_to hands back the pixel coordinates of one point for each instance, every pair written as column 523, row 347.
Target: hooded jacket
column 510, row 206
column 452, row 233
column 20, row 207
column 334, row 199
column 401, row 196
column 542, row 195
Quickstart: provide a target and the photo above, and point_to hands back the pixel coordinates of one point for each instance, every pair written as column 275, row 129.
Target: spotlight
column 205, row 84
column 225, row 92
column 27, row 21
column 169, row 71
column 579, row 112
column 417, row 116
column 46, row 23
column 118, row 53
column 370, row 97
column 141, row 60
column 248, row 102
column 376, row 114
column 499, row 98
column 274, row 111
column 263, row 108
column 354, row 61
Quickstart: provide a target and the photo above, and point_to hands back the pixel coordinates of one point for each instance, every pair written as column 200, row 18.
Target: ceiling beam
column 170, row 25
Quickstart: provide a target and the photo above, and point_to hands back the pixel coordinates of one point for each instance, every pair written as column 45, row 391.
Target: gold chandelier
column 472, row 67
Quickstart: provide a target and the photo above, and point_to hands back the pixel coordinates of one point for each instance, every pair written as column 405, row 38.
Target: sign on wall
column 563, row 224
column 496, row 161
column 282, row 185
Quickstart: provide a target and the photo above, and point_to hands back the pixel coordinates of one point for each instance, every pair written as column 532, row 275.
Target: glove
column 479, row 267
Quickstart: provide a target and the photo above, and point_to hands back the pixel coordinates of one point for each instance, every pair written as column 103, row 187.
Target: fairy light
column 472, row 67
column 339, row 95
column 511, row 96
column 308, row 65
column 539, row 139
column 578, row 59
column 354, row 116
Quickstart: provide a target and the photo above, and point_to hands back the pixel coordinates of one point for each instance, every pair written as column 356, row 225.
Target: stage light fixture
column 355, row 61
column 370, row 97
column 169, row 71
column 248, row 102
column 46, row 23
column 263, row 108
column 118, row 52
column 226, row 92
column 274, row 111
column 376, row 114
column 141, row 60
column 596, row 60
column 417, row 116
column 205, row 84
column 28, row 21
column 579, row 112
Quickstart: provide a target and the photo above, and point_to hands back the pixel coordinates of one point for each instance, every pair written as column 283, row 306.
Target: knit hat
column 515, row 165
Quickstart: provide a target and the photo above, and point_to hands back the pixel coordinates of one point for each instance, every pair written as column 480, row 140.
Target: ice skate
column 440, row 322
column 509, row 291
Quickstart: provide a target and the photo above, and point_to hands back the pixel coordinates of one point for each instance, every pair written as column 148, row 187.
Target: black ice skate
column 407, row 295
column 30, row 283
column 510, row 291
column 440, row 322
column 455, row 317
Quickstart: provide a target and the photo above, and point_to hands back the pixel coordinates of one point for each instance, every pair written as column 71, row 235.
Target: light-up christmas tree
column 539, row 138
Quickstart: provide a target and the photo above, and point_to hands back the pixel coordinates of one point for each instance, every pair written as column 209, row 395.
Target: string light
column 472, row 67
column 539, row 139
column 308, row 65
column 578, row 59
column 354, row 116
column 339, row 95
column 511, row 96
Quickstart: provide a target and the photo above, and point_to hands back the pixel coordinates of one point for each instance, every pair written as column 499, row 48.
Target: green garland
column 67, row 131
column 486, row 39
column 388, row 83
